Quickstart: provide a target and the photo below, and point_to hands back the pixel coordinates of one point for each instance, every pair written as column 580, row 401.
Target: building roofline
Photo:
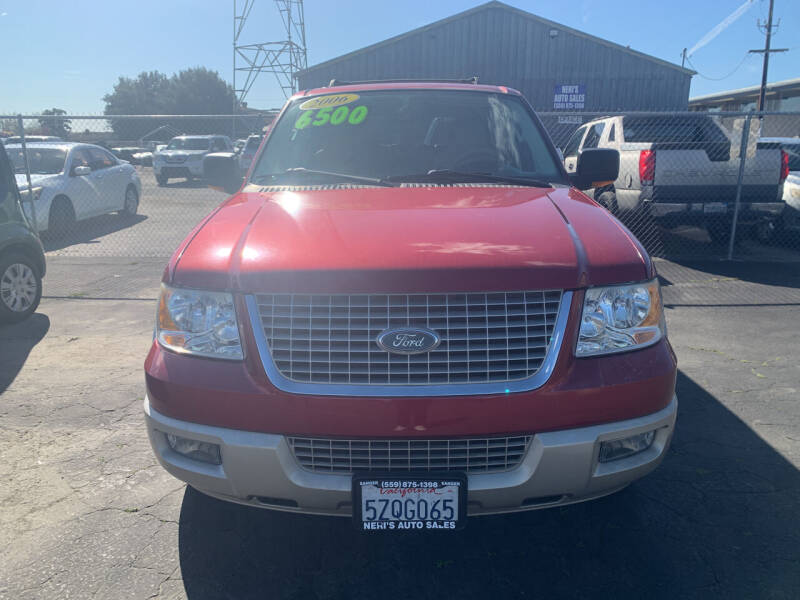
column 495, row 4
column 777, row 85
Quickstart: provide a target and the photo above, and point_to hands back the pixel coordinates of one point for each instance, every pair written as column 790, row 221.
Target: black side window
column 100, row 159
column 81, row 158
column 571, row 147
column 8, row 195
column 612, row 134
column 593, row 137
column 218, row 145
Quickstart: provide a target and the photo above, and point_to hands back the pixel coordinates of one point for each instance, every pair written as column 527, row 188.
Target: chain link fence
column 691, row 185
column 126, row 187
column 697, row 185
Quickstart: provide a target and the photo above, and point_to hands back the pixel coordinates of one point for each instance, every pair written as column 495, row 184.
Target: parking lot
column 89, row 514
column 166, row 215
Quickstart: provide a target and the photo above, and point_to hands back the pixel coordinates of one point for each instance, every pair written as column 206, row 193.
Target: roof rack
column 473, row 80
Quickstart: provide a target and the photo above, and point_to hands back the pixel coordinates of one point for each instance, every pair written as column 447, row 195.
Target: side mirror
column 81, row 170
column 596, row 168
column 221, row 172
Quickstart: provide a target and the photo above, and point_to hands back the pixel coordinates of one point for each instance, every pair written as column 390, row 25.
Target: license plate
column 410, row 502
column 714, row 208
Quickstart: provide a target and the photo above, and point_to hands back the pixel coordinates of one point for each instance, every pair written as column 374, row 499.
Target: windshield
column 402, row 133
column 43, row 161
column 188, row 144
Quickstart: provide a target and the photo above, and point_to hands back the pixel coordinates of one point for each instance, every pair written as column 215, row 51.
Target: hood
column 36, row 178
column 407, row 239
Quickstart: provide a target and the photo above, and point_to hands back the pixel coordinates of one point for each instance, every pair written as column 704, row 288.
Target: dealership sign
column 569, row 97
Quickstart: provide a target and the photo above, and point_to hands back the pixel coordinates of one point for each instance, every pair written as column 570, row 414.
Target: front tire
column 20, row 287
column 608, row 200
column 161, row 180
column 62, row 217
column 131, row 203
column 765, row 232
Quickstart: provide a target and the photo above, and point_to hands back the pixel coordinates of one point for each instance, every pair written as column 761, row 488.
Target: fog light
column 616, row 449
column 195, row 449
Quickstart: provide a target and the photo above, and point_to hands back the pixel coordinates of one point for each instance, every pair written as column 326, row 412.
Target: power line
column 739, row 66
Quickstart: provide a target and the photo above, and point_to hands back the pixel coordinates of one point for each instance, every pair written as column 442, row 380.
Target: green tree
column 195, row 91
column 53, row 122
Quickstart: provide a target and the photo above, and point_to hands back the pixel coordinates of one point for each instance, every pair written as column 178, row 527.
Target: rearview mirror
column 221, row 172
column 81, row 170
column 596, row 167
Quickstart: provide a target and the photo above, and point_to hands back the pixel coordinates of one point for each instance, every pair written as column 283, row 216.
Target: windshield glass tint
column 188, row 144
column 672, row 129
column 400, row 133
column 43, row 161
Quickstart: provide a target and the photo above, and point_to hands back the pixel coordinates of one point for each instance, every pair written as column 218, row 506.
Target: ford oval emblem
column 408, row 340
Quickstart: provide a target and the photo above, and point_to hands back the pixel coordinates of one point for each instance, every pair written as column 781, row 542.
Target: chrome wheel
column 18, row 287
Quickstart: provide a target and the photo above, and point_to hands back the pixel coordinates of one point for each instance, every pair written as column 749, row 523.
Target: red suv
column 408, row 313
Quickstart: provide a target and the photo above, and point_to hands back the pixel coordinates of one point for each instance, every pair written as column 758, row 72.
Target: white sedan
column 73, row 181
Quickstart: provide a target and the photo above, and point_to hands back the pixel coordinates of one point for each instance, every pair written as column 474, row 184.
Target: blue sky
column 69, row 54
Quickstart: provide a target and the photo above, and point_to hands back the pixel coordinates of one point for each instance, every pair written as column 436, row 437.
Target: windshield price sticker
column 331, row 115
column 328, row 101
column 410, row 504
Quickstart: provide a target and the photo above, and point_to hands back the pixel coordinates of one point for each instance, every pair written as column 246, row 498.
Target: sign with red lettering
column 409, row 502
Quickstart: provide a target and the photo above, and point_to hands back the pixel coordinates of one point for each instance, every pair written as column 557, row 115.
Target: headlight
column 621, row 318
column 24, row 192
column 199, row 323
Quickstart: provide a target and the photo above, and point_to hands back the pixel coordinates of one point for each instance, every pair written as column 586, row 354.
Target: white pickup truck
column 683, row 169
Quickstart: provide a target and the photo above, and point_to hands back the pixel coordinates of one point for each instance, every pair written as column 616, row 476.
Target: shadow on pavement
column 717, row 519
column 690, row 243
column 87, row 232
column 16, row 343
column 784, row 274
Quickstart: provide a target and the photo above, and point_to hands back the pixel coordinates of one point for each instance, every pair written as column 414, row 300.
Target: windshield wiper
column 451, row 176
column 343, row 176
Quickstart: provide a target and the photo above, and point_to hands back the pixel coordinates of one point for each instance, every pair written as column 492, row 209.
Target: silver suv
column 183, row 156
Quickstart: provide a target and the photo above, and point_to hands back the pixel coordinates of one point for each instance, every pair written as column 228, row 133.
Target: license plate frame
column 361, row 480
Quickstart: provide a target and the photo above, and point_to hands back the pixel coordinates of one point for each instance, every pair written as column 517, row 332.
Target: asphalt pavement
column 165, row 216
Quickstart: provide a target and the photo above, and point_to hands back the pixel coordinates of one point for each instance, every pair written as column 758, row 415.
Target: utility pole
column 683, row 58
column 766, row 51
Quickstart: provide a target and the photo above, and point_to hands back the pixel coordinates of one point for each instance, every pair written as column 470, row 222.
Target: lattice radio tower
column 283, row 58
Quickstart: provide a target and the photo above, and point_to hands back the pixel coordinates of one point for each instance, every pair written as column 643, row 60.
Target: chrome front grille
column 470, row 455
column 485, row 337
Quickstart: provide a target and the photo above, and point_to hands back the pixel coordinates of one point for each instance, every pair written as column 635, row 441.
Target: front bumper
column 184, row 169
column 560, row 467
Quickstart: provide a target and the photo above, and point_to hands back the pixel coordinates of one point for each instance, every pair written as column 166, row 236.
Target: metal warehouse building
column 556, row 67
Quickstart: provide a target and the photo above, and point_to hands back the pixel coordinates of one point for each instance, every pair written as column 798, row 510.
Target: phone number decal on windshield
column 332, row 116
